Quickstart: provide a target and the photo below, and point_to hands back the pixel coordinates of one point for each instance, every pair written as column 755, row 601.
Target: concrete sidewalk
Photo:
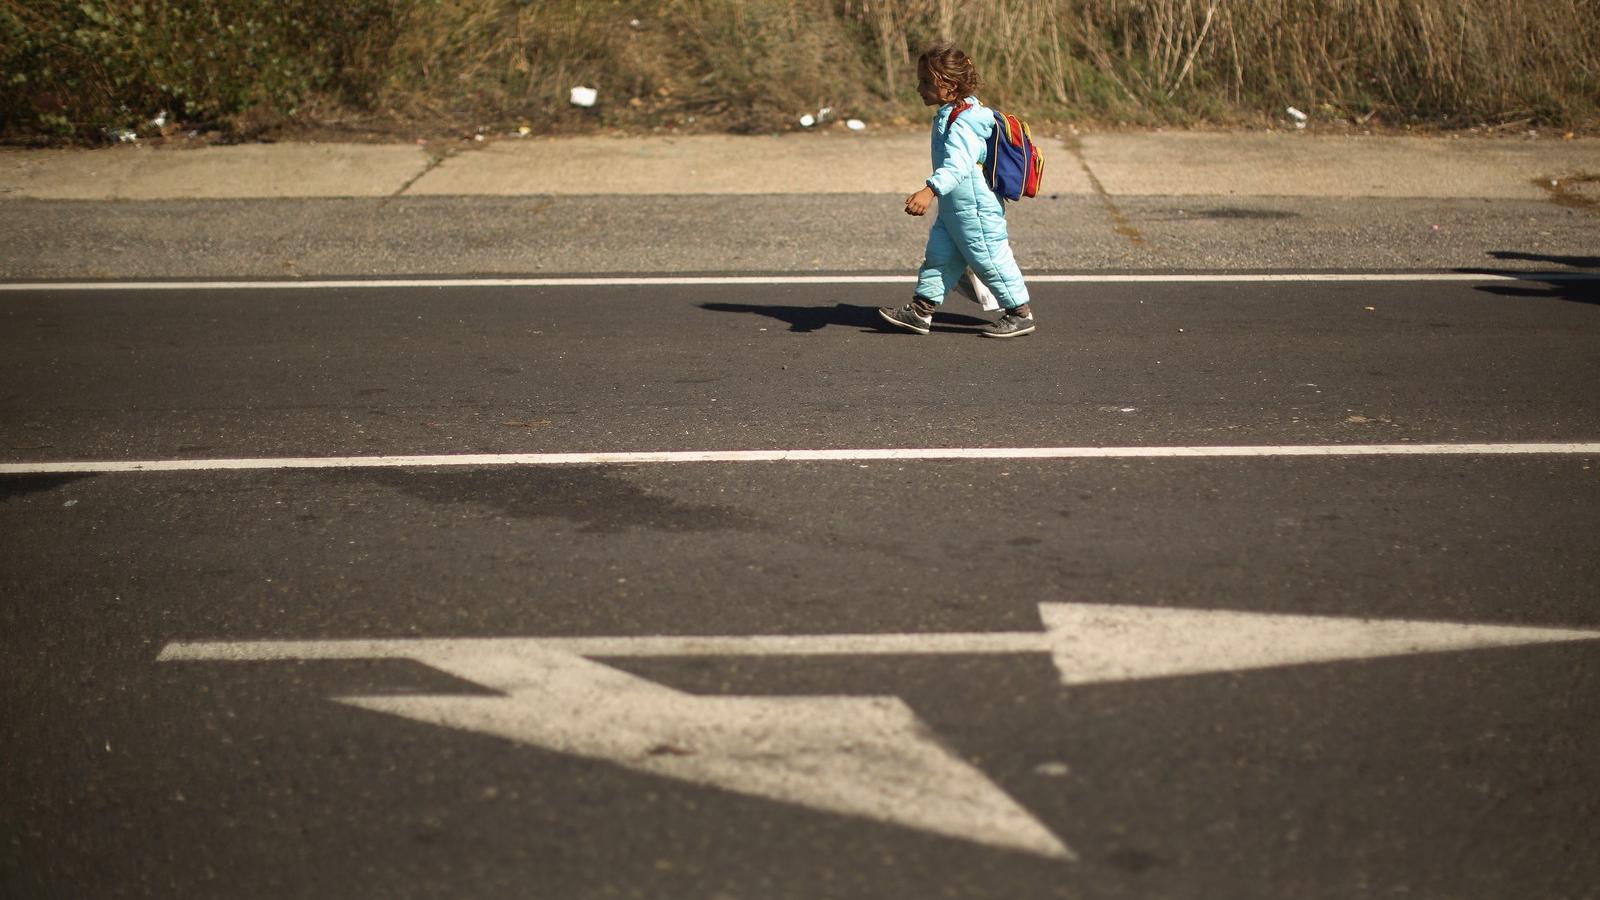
column 1123, row 164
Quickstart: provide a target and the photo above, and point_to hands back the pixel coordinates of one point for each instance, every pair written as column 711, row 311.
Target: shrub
column 81, row 67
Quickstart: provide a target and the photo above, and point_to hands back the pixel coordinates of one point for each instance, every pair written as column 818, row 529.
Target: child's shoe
column 909, row 317
column 1010, row 325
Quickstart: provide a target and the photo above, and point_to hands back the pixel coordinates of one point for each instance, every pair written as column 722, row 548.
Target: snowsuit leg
column 943, row 264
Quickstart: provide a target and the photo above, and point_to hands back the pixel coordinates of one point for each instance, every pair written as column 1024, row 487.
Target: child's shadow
column 815, row 318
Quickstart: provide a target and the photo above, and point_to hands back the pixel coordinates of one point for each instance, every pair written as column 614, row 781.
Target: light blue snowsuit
column 971, row 226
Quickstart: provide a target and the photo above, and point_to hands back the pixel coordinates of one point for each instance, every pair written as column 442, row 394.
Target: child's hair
column 950, row 68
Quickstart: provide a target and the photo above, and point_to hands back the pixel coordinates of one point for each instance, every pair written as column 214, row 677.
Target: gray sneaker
column 1010, row 325
column 906, row 317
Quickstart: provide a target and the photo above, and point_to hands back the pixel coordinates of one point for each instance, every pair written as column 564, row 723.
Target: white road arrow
column 860, row 756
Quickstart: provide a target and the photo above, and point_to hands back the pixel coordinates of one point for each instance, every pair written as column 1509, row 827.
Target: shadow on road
column 1575, row 262
column 1578, row 286
column 816, row 318
column 19, row 485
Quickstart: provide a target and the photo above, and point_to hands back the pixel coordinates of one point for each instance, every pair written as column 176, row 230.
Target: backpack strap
column 961, row 107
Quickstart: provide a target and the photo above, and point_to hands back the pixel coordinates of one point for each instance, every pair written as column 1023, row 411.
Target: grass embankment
column 78, row 68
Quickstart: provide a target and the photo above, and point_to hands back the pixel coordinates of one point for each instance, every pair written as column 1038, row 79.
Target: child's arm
column 963, row 148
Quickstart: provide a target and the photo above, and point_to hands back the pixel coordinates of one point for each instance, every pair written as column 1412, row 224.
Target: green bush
column 80, row 68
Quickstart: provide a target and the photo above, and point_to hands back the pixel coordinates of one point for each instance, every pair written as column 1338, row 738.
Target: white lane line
column 842, row 455
column 671, row 280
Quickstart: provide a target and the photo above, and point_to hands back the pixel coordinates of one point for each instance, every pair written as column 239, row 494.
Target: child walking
column 970, row 229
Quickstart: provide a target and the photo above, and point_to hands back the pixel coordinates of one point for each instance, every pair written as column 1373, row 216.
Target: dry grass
column 734, row 64
column 1175, row 60
column 756, row 64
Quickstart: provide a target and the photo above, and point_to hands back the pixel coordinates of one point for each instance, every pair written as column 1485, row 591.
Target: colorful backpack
column 1014, row 166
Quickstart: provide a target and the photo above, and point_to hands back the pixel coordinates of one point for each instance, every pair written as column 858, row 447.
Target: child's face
column 933, row 93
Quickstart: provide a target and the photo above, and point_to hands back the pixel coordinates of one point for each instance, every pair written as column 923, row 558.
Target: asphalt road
column 491, row 369
column 1461, row 774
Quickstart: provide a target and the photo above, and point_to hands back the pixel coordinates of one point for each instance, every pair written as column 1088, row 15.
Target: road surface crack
column 1119, row 222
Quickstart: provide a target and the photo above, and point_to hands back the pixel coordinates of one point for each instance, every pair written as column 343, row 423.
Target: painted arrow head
column 857, row 756
column 1092, row 643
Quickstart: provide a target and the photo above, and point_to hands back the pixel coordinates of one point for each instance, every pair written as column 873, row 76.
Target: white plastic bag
column 973, row 289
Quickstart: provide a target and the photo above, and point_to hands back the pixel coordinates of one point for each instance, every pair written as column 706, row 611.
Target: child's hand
column 917, row 203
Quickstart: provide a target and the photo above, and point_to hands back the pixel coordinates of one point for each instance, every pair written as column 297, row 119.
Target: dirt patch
column 1580, row 191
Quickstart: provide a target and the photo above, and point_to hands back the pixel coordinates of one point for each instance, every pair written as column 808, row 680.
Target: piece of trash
column 1051, row 769
column 121, row 135
column 1435, row 228
column 807, row 120
column 1128, row 409
column 477, row 137
column 635, row 23
column 1370, row 308
column 970, row 288
column 855, row 125
column 1180, row 331
column 584, row 96
column 523, row 131
column 1298, row 115
column 160, row 121
column 824, row 113
column 70, row 503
